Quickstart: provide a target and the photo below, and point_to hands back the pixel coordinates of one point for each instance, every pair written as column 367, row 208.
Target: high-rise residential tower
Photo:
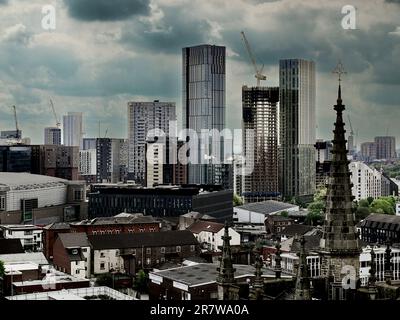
column 203, row 101
column 143, row 117
column 73, row 129
column 297, row 122
column 385, row 147
column 260, row 117
column 52, row 135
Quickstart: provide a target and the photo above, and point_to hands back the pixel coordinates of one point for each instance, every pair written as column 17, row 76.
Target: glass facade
column 297, row 128
column 15, row 159
column 203, row 103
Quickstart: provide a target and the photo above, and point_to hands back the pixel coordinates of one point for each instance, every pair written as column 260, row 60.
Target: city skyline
column 135, row 55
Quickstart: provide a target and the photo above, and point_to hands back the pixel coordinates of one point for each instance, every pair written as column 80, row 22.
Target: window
column 2, row 203
column 84, row 250
column 102, row 266
column 77, row 271
column 178, row 248
column 192, row 247
column 102, row 255
column 28, row 233
column 134, row 252
column 162, row 250
column 148, row 250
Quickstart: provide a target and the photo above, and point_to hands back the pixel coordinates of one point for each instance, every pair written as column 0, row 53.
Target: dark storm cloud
column 106, row 10
column 177, row 31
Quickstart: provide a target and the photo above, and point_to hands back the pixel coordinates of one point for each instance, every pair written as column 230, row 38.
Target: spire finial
column 339, row 70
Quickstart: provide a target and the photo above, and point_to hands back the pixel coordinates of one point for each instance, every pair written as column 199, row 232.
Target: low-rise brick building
column 128, row 253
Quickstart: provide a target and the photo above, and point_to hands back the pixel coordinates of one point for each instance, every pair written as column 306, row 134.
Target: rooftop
column 23, row 181
column 16, row 227
column 267, row 207
column 33, row 257
column 57, row 226
column 125, row 218
column 382, row 221
column 296, row 229
column 200, row 226
column 204, row 273
column 74, row 240
column 146, row 239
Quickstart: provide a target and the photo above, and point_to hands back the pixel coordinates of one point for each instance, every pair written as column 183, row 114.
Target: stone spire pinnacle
column 258, row 280
column 339, row 232
column 226, row 271
column 278, row 259
column 388, row 263
column 372, row 290
column 302, row 289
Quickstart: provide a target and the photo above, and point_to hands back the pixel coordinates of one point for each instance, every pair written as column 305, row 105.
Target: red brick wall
column 49, row 237
column 60, row 257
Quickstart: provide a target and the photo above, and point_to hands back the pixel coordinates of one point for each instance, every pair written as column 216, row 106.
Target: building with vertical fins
column 203, row 101
column 302, row 289
column 297, row 128
column 340, row 247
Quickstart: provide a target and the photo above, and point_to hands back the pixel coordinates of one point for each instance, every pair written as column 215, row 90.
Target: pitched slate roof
column 9, row 246
column 382, row 221
column 267, row 207
column 74, row 240
column 200, row 226
column 57, row 226
column 296, row 229
column 146, row 239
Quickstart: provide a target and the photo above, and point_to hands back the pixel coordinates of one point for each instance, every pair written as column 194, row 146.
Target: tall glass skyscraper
column 297, row 95
column 203, row 80
column 73, row 129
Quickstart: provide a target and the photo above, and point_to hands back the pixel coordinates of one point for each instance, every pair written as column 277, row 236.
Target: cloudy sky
column 104, row 53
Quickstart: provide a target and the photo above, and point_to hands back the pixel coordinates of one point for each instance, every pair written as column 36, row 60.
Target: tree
column 364, row 203
column 105, row 280
column 362, row 213
column 382, row 205
column 284, row 214
column 313, row 218
column 370, row 200
column 237, row 201
column 141, row 281
column 2, row 269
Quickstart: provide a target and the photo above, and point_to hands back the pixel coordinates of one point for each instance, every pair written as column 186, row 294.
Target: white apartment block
column 73, row 129
column 30, row 236
column 154, row 164
column 87, row 162
column 367, row 181
column 105, row 261
column 143, row 117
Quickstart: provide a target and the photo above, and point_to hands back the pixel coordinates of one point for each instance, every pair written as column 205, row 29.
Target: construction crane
column 58, row 124
column 17, row 135
column 259, row 76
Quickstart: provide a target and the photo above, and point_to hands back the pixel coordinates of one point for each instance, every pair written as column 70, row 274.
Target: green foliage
column 314, row 218
column 284, row 214
column 105, row 280
column 362, row 213
column 382, row 205
column 370, row 200
column 2, row 269
column 364, row 203
column 237, row 201
column 141, row 281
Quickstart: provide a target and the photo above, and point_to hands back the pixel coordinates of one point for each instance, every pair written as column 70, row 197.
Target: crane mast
column 259, row 75
column 58, row 124
column 16, row 123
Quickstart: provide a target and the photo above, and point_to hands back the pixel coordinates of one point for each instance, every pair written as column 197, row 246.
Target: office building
column 203, row 101
column 107, row 200
column 143, row 117
column 368, row 151
column 297, row 95
column 52, row 136
column 11, row 134
column 260, row 112
column 385, row 148
column 73, row 129
column 88, row 165
column 39, row 199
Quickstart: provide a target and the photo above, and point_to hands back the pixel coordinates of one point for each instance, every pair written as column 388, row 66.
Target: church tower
column 340, row 247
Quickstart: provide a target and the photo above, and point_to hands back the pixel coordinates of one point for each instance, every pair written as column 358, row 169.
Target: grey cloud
column 106, row 10
column 177, row 31
column 3, row 2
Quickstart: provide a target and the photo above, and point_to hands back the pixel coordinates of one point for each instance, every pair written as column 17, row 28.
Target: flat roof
column 33, row 257
column 203, row 273
column 267, row 207
column 23, row 181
